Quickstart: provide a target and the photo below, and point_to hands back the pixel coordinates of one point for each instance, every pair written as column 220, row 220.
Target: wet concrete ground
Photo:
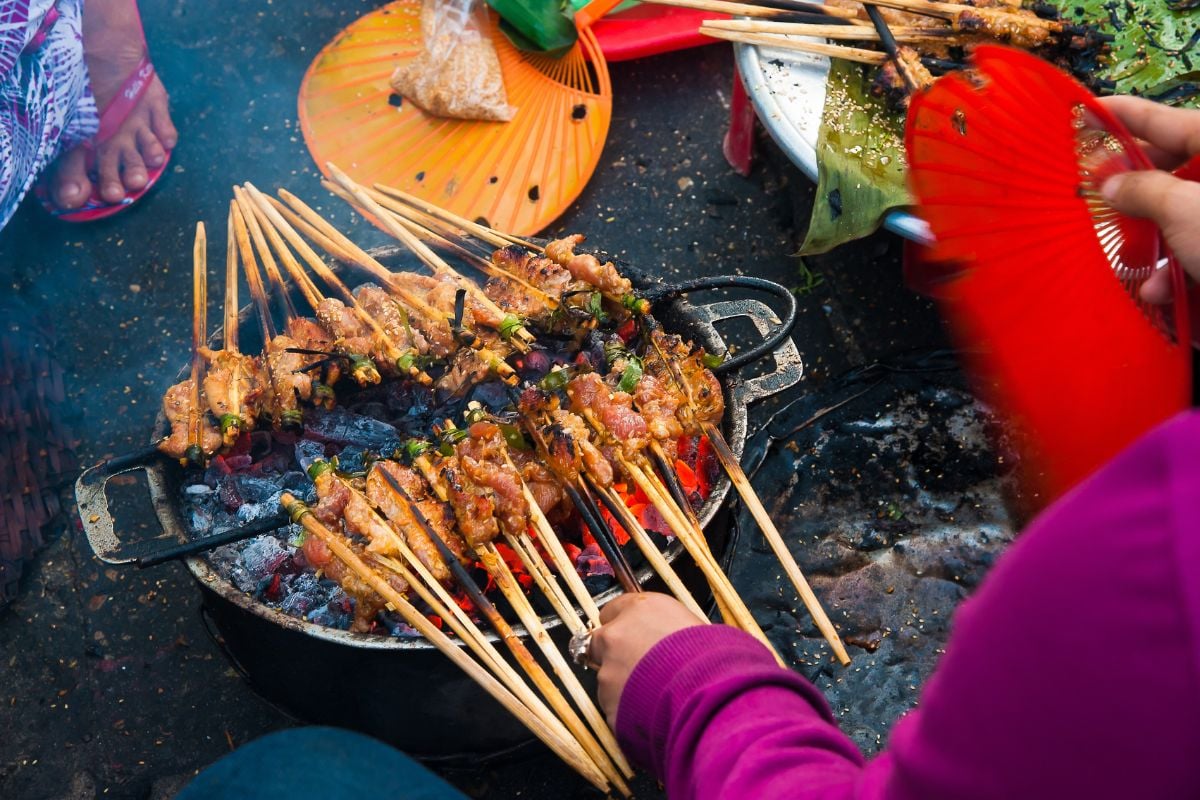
column 109, row 684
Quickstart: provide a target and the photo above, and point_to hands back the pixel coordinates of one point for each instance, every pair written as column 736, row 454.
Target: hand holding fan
column 1038, row 277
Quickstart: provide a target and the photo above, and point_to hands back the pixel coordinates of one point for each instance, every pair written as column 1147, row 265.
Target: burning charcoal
column 256, row 490
column 595, row 584
column 308, row 451
column 262, row 556
column 252, row 512
column 230, row 493
column 352, row 461
column 201, row 520
column 304, row 594
column 343, row 427
column 591, row 561
column 297, row 483
column 337, row 613
column 492, row 394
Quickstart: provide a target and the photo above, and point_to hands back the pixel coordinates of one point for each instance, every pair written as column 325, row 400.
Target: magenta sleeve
column 710, row 712
column 1071, row 673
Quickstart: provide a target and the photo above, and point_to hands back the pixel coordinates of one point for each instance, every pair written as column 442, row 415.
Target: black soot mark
column 534, row 194
column 835, row 203
column 579, row 112
column 395, row 100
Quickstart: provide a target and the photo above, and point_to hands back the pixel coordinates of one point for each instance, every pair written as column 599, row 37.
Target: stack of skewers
column 408, row 531
column 912, row 41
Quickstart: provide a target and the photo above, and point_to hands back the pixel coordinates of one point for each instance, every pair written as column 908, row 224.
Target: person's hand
column 629, row 627
column 1170, row 136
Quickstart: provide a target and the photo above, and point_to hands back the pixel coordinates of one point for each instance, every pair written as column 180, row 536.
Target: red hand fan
column 1036, row 275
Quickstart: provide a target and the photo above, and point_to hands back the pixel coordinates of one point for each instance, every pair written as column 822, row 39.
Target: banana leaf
column 860, row 158
column 1155, row 53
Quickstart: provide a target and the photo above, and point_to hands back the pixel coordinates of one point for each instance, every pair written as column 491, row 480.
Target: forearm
column 710, row 712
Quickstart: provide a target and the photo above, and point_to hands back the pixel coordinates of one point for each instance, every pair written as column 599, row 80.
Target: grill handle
column 91, row 495
column 775, row 330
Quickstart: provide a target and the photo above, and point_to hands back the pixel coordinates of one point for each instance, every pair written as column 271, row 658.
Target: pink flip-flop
column 111, row 119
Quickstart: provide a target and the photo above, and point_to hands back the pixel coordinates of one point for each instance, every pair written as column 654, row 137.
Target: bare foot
column 113, row 46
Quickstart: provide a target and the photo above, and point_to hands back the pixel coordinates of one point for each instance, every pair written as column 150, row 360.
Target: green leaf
column 860, row 162
column 1156, row 48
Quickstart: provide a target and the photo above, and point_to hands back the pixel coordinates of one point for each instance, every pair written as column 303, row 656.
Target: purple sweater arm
column 710, row 712
column 1074, row 671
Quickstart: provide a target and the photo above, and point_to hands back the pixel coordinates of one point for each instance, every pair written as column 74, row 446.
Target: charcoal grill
column 402, row 690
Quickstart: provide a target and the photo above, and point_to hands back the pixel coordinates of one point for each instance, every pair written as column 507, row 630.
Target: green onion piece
column 194, row 455
column 405, row 362
column 474, row 415
column 636, row 304
column 413, row 448
column 509, row 326
column 296, row 511
column 631, row 376
column 317, row 469
column 614, row 350
column 323, row 390
column 292, row 418
column 454, row 435
column 298, row 539
column 513, row 435
column 555, row 380
column 595, row 306
column 230, row 421
column 713, row 360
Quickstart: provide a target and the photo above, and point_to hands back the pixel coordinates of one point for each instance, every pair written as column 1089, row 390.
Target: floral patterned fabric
column 46, row 102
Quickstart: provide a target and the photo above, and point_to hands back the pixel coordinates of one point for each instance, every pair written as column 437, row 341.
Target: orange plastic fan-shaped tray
column 517, row 175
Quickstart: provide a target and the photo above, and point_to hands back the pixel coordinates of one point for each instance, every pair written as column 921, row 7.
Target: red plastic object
column 1036, row 275
column 738, row 144
column 648, row 30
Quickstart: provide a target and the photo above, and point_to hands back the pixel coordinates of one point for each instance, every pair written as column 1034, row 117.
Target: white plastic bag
column 458, row 74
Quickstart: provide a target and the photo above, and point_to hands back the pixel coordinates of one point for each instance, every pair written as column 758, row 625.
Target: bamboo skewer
column 421, row 223
column 616, row 506
column 195, row 453
column 512, row 591
column 750, row 10
column 952, row 12
column 414, row 571
column 426, row 227
column 546, row 582
column 558, row 555
column 775, row 539
column 260, row 245
column 689, row 536
column 230, row 328
column 342, row 248
column 522, row 655
column 859, row 33
column 273, row 231
column 532, row 560
column 254, row 279
column 572, row 755
column 422, row 251
column 489, row 235
column 856, row 54
column 322, row 270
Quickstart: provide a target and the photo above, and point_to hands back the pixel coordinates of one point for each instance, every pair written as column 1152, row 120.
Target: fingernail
column 1111, row 187
column 71, row 189
column 154, row 161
